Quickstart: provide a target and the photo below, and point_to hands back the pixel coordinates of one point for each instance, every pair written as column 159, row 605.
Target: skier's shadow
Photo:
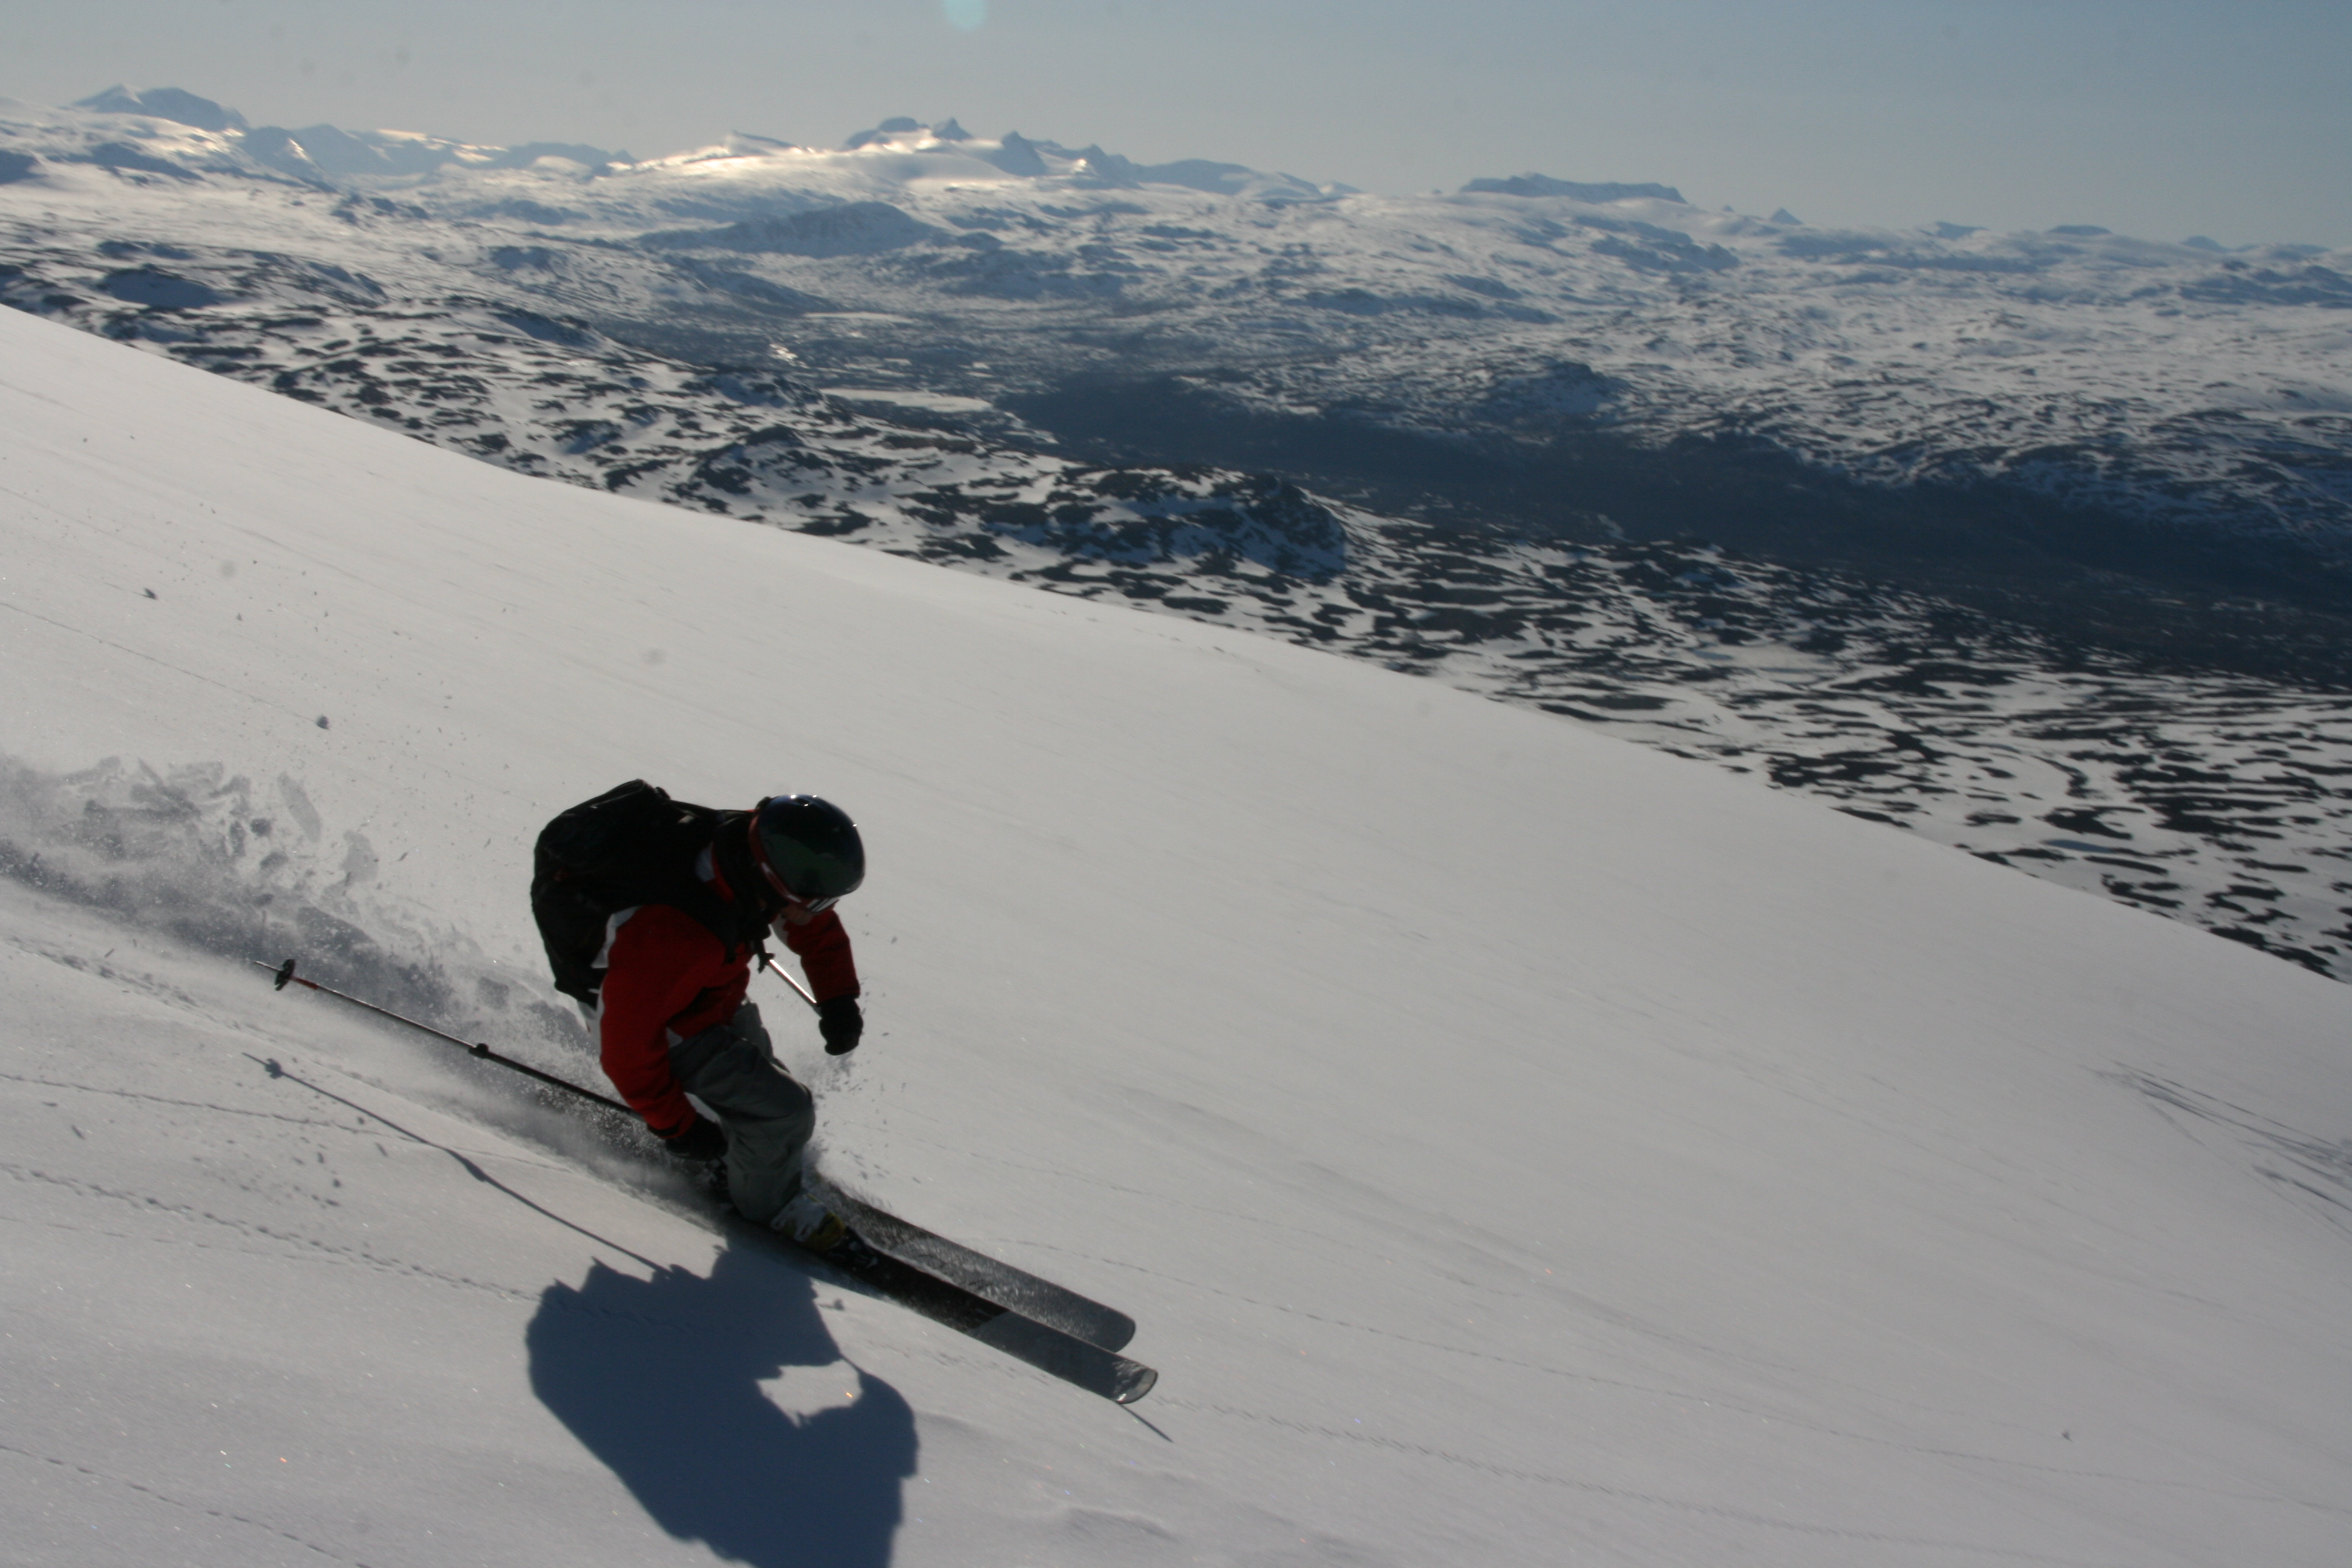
column 659, row 1379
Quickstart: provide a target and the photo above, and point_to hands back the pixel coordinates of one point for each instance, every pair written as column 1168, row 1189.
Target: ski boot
column 808, row 1223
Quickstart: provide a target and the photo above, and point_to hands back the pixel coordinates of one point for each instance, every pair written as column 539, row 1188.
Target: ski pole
column 786, row 978
column 285, row 971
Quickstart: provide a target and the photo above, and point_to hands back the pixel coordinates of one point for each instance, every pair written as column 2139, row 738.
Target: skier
column 652, row 912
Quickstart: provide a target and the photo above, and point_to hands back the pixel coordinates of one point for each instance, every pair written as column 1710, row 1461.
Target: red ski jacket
column 668, row 978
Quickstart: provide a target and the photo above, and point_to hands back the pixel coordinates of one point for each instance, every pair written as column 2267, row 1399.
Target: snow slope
column 1517, row 1146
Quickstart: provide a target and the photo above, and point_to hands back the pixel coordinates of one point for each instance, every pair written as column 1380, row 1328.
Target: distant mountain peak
column 897, row 127
column 904, row 134
column 1017, row 156
column 175, row 104
column 316, row 151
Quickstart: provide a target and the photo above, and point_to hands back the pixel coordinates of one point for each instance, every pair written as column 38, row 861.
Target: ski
column 1050, row 1350
column 1016, row 1289
column 1067, row 1335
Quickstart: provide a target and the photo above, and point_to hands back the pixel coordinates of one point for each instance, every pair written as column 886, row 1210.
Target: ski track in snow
column 189, row 1504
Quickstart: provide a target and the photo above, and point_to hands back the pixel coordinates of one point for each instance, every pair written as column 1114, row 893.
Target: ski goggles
column 793, row 902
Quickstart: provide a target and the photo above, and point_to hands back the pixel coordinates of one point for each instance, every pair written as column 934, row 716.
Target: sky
column 2152, row 117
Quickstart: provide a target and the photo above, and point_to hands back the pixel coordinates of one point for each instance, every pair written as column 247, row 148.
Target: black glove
column 840, row 1022
column 703, row 1139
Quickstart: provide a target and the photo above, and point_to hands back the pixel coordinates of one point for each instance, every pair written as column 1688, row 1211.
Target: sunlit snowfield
column 1517, row 1146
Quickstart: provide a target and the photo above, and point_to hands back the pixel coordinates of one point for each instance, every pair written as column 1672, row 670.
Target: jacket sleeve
column 659, row 963
column 823, row 947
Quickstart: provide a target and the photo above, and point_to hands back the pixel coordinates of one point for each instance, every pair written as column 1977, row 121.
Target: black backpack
column 632, row 845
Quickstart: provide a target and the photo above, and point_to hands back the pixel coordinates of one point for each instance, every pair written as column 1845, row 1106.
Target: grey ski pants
column 769, row 1117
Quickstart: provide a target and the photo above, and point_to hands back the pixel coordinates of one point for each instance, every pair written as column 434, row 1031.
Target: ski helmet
column 807, row 848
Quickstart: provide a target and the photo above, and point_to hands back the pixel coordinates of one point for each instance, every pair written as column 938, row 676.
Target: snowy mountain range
column 2036, row 544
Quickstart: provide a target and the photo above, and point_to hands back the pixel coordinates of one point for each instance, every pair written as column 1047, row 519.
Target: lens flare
column 966, row 15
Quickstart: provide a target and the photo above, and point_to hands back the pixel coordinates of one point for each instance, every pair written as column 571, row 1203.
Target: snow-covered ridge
column 328, row 152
